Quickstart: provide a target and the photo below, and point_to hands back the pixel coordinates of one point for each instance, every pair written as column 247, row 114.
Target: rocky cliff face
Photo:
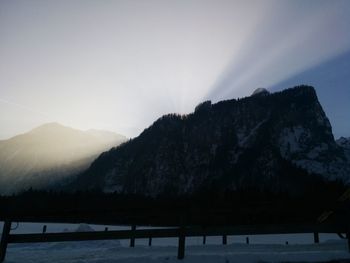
column 345, row 144
column 266, row 142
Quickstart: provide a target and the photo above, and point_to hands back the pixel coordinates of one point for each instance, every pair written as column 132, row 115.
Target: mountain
column 345, row 144
column 279, row 142
column 260, row 91
column 48, row 153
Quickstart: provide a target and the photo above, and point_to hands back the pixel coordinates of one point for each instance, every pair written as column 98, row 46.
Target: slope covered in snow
column 112, row 252
column 262, row 248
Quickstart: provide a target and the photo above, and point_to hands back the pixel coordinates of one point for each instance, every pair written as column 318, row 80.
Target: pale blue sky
column 119, row 65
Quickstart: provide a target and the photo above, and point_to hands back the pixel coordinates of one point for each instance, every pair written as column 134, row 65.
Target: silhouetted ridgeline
column 267, row 158
column 280, row 142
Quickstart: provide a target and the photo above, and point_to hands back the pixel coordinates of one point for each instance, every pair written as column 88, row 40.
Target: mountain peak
column 49, row 127
column 344, row 142
column 260, row 142
column 260, row 91
column 48, row 153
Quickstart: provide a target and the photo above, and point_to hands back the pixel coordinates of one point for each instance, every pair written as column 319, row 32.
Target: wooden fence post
column 316, row 238
column 224, row 239
column 44, row 229
column 181, row 246
column 4, row 239
column 132, row 239
column 150, row 241
column 204, row 235
column 247, row 240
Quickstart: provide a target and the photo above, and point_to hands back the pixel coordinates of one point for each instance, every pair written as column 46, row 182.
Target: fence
column 171, row 232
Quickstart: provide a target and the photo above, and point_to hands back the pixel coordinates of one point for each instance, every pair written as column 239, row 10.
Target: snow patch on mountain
column 296, row 145
column 292, row 140
column 246, row 135
column 260, row 91
column 345, row 144
column 84, row 228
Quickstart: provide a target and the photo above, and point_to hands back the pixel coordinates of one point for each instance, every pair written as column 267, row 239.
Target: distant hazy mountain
column 275, row 142
column 48, row 153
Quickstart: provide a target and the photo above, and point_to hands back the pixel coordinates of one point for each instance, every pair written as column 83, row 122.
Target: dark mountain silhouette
column 280, row 142
column 48, row 153
column 345, row 144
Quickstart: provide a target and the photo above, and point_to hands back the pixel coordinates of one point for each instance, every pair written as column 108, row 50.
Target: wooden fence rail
column 179, row 232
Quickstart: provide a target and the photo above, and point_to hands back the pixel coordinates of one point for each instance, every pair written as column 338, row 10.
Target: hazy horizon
column 120, row 65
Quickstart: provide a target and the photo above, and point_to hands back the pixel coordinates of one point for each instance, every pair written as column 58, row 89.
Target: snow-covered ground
column 262, row 248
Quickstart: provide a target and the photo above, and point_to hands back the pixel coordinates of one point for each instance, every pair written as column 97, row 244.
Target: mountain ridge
column 47, row 153
column 257, row 141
